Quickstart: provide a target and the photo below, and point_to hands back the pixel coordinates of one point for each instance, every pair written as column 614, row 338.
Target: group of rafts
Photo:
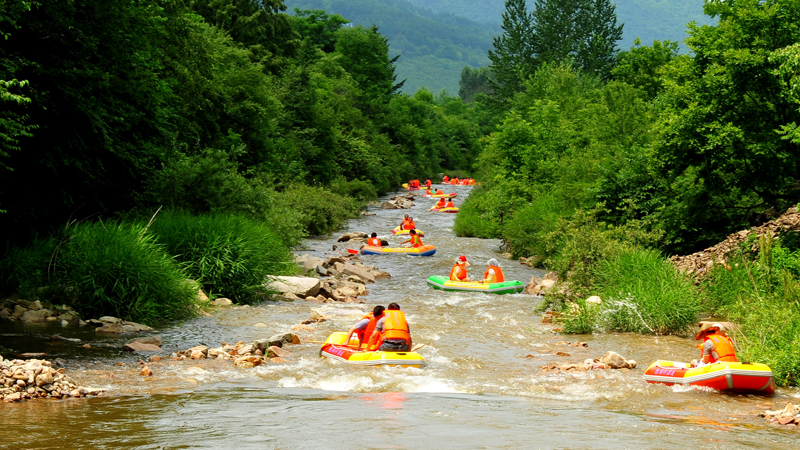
column 723, row 375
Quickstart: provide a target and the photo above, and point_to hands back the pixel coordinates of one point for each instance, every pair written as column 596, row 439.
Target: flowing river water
column 483, row 386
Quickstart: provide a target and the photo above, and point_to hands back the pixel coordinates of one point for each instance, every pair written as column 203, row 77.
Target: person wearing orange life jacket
column 405, row 221
column 439, row 192
column 409, row 224
column 445, row 179
column 415, row 240
column 392, row 331
column 428, row 182
column 429, row 191
column 494, row 274
column 364, row 328
column 717, row 346
column 439, row 205
column 459, row 270
column 374, row 241
column 455, row 181
column 449, row 204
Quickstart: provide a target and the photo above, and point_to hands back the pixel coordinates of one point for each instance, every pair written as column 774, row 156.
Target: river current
column 483, row 387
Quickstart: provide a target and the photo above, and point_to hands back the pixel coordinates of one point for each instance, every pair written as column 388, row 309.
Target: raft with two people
column 451, row 195
column 336, row 348
column 721, row 375
column 425, row 250
column 400, row 230
column 505, row 287
column 451, row 209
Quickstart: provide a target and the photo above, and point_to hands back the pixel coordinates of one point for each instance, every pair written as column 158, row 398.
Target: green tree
column 474, row 81
column 513, row 51
column 643, row 66
column 585, row 31
column 364, row 53
column 318, row 27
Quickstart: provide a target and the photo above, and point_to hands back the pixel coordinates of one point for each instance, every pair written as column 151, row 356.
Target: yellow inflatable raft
column 335, row 348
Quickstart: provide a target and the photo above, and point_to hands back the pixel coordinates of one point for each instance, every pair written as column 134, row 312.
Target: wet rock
column 198, row 348
column 356, row 235
column 300, row 286
column 155, row 358
column 279, row 352
column 222, row 301
column 146, row 372
column 216, row 352
column 531, row 287
column 546, row 285
column 330, row 313
column 309, row 262
column 35, row 306
column 32, row 316
column 141, row 347
column 549, row 316
column 247, row 362
column 109, row 319
column 152, row 340
column 615, row 361
column 18, row 312
column 122, row 327
column 551, row 276
column 279, row 340
column 260, row 325
column 381, row 275
column 360, row 272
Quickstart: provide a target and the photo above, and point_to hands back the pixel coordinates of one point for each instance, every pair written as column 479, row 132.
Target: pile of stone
column 699, row 264
column 404, row 201
column 611, row 360
column 27, row 311
column 28, row 379
column 243, row 355
column 790, row 415
column 110, row 324
column 343, row 278
column 542, row 286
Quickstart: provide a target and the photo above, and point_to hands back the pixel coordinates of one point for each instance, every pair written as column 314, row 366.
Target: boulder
column 122, row 327
column 39, row 315
column 614, row 360
column 279, row 352
column 381, row 274
column 533, row 287
column 331, row 313
column 300, row 286
column 279, row 340
column 152, row 340
column 356, row 235
column 35, row 306
column 309, row 262
column 222, row 301
column 546, row 285
column 359, row 271
column 141, row 347
column 146, row 372
column 247, row 362
column 198, row 348
column 595, row 300
column 109, row 319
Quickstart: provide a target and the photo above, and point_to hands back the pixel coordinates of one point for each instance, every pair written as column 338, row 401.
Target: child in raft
column 439, row 205
column 374, row 241
column 415, row 240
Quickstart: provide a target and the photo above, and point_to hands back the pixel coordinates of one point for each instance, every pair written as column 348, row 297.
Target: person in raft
column 439, row 205
column 409, row 224
column 392, row 331
column 429, row 191
column 374, row 241
column 459, row 270
column 449, row 204
column 415, row 240
column 445, row 179
column 364, row 328
column 405, row 220
column 494, row 274
column 438, row 192
column 716, row 346
column 428, row 182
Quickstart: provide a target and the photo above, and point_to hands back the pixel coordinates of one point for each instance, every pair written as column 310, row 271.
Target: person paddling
column 717, row 346
column 392, row 331
column 415, row 240
column 439, row 205
column 459, row 270
column 494, row 274
column 439, row 192
column 364, row 328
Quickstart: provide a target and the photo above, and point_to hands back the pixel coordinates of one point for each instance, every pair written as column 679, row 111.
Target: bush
column 118, row 269
column 27, row 268
column 361, row 190
column 526, row 232
column 228, row 255
column 321, row 211
column 479, row 216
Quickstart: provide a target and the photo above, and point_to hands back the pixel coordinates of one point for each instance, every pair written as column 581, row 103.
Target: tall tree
column 513, row 54
column 585, row 31
column 474, row 81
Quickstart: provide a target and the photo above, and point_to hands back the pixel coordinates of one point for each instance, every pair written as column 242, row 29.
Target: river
column 482, row 388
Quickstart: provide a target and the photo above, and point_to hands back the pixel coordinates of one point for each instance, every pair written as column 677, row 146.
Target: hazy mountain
column 437, row 38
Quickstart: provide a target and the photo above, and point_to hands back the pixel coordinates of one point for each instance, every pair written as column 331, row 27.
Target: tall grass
column 228, row 255
column 642, row 292
column 762, row 296
column 118, row 269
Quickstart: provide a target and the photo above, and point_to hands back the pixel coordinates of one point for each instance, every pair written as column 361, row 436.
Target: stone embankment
column 342, row 278
column 37, row 378
column 699, row 264
column 33, row 312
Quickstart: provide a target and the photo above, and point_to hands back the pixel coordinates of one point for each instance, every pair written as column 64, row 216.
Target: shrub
column 228, row 255
column 118, row 269
column 361, row 190
column 27, row 268
column 479, row 216
column 321, row 211
column 527, row 230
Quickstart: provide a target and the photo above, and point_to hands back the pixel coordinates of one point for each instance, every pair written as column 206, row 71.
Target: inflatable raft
column 448, row 210
column 506, row 287
column 425, row 250
column 335, row 348
column 723, row 376
column 405, row 185
column 452, row 195
column 399, row 231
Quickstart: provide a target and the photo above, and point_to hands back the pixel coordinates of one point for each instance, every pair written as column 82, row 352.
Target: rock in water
column 300, row 286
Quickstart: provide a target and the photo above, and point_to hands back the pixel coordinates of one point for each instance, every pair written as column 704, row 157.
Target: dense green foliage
column 229, row 255
column 212, row 108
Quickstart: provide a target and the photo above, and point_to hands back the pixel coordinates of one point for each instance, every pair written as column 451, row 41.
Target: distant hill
column 437, row 38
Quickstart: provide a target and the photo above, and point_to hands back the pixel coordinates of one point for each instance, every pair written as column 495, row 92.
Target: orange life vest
column 428, row 183
column 395, row 325
column 454, row 181
column 410, row 225
column 446, row 179
column 416, row 241
column 366, row 333
column 498, row 274
column 724, row 348
column 429, row 191
column 458, row 273
column 439, row 192
column 441, row 203
column 374, row 242
column 449, row 204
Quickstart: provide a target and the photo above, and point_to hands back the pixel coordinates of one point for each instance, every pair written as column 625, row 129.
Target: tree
column 512, row 56
column 364, row 53
column 585, row 31
column 474, row 81
column 643, row 66
column 318, row 27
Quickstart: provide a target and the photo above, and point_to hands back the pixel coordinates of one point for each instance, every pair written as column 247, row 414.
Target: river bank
column 484, row 385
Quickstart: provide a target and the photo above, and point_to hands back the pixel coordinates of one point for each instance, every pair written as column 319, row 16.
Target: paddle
column 417, row 347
